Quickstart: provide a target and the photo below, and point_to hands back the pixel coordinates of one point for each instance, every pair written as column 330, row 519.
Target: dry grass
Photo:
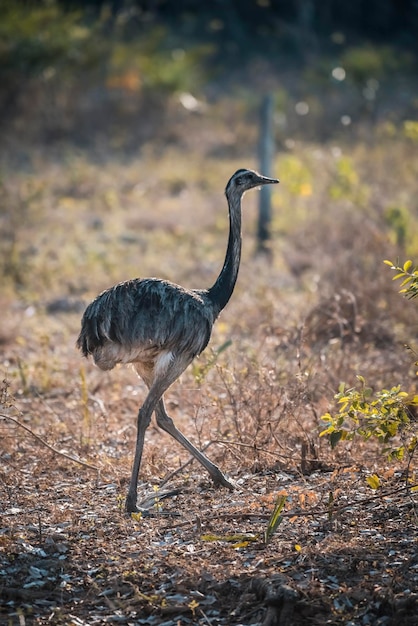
column 322, row 311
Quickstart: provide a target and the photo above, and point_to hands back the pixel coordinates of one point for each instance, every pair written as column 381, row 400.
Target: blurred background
column 115, row 75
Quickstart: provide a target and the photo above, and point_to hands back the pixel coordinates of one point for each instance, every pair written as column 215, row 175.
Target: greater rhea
column 161, row 327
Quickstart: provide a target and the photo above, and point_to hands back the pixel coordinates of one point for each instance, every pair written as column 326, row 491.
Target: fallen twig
column 47, row 445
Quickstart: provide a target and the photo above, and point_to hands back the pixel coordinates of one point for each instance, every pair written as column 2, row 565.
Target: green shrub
column 44, row 40
column 366, row 62
column 409, row 284
column 381, row 416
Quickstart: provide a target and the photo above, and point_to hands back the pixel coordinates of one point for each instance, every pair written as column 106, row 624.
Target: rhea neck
column 222, row 289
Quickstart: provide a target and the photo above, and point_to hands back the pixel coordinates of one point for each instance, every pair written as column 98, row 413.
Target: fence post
column 266, row 150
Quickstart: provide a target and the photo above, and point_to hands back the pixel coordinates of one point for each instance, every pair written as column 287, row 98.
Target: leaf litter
column 70, row 555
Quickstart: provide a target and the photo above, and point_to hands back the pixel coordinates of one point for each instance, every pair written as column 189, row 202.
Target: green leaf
column 223, row 347
column 241, row 544
column 373, row 481
column 343, row 399
column 327, row 431
column 388, row 263
column 406, row 281
column 407, row 265
column 335, row 437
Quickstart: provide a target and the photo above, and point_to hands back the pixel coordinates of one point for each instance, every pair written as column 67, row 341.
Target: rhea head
column 243, row 180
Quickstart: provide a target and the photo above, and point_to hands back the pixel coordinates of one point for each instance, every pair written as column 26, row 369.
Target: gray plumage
column 161, row 327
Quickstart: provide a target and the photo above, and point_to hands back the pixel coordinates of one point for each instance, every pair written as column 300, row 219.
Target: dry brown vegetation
column 321, row 311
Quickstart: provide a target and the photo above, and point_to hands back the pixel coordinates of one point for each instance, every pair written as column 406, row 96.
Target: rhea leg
column 166, row 423
column 158, row 380
column 144, row 418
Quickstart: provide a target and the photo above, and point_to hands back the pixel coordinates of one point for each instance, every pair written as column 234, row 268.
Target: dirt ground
column 342, row 554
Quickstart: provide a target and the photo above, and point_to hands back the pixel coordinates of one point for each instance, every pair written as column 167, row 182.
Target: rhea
column 161, row 327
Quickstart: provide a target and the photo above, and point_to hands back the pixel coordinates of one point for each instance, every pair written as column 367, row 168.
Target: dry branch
column 47, row 445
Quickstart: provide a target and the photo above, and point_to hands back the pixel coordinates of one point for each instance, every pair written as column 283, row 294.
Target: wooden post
column 266, row 150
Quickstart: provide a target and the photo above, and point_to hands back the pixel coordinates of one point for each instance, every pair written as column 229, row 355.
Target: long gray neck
column 223, row 287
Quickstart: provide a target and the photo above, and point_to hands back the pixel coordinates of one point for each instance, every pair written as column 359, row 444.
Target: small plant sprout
column 275, row 519
column 200, row 369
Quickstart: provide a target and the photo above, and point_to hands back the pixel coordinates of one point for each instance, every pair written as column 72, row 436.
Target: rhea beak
column 264, row 180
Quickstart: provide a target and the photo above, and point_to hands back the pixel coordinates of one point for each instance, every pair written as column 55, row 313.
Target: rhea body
column 161, row 327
